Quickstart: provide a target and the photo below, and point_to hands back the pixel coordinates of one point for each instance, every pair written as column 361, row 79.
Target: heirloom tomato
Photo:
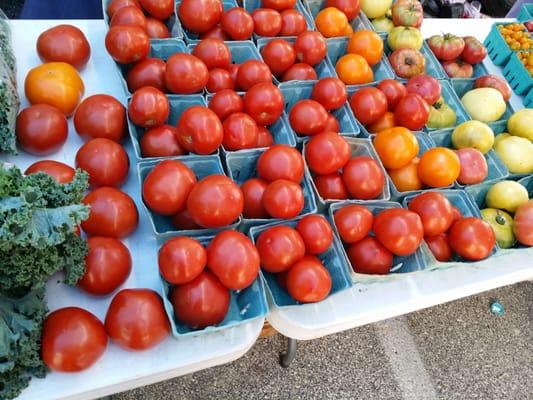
column 412, row 112
column 353, row 69
column 439, row 167
column 446, row 47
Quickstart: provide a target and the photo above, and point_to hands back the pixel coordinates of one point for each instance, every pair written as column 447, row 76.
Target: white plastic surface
column 118, row 370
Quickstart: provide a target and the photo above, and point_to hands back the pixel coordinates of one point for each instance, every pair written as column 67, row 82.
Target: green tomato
column 507, row 195
column 441, row 115
column 383, row 24
column 502, row 225
column 404, row 37
column 521, row 124
column 474, row 134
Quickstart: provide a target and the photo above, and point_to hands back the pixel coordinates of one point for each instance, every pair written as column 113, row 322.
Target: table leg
column 286, row 357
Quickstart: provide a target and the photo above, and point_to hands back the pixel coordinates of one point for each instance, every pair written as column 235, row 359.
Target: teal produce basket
column 526, row 12
column 518, row 77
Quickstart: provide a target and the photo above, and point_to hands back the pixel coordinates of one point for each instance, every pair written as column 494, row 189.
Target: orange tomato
column 331, row 22
column 353, row 69
column 385, row 122
column 396, row 147
column 57, row 84
column 439, row 167
column 367, row 44
column 406, row 178
column 348, row 30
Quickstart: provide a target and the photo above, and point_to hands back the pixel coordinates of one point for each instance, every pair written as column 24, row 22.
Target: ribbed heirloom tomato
column 368, row 105
column 264, row 103
column 279, row 248
column 252, row 191
column 396, row 147
column 226, row 102
column 327, row 152
column 330, row 92
column 399, row 230
column 148, row 107
column 181, row 259
column 127, row 44
column 435, row 212
column 62, row 173
column 316, row 233
column 367, row 44
column 353, row 222
column 283, row 199
column 199, row 16
column 101, row 116
column 148, row 72
column 267, row 22
column 200, row 130
column 281, row 162
column 185, row 74
column 308, row 281
column 161, row 141
column 213, row 52
column 439, row 167
column 292, row 23
column 279, row 55
column 64, row 43
column 369, row 256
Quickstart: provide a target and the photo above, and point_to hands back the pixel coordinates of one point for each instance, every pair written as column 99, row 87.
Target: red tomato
column 132, row 16
column 156, row 29
column 62, row 173
column 368, row 256
column 279, row 55
column 233, row 69
column 148, row 107
column 327, row 152
column 215, row 201
column 136, row 319
column 292, row 23
column 219, row 79
column 113, row 213
column 350, row 8
column 148, row 72
column 240, row 132
column 101, row 116
column 363, row 178
column 202, row 302
column 523, row 224
column 330, row 92
column 308, row 117
column 472, row 238
column 435, row 212
column 181, row 259
column 72, row 340
column 161, row 142
column 127, row 44
column 199, row 16
column 41, row 129
column 425, row 86
column 116, row 5
column 264, row 103
column 213, row 52
column 368, row 105
column 299, row 72
column 267, row 22
column 412, row 112
column 184, row 221
column 316, row 233
column 279, row 5
column 353, row 222
column 264, row 137
column 279, row 248
column 308, row 281
column 215, row 33
column 385, row 122
column 474, row 168
column 200, row 130
column 283, row 199
column 456, row 214
column 251, row 73
column 107, row 266
column 310, row 47
column 185, row 74
column 332, row 124
column 393, row 90
column 281, row 162
column 440, row 246
column 237, row 23
column 331, row 186
column 167, row 187
column 400, row 231
column 233, row 258
column 105, row 161
column 64, row 43
column 252, row 191
column 160, row 9
column 225, row 103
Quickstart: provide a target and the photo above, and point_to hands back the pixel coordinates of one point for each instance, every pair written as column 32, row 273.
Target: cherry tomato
column 331, row 186
column 160, row 9
column 112, row 213
column 327, row 152
column 412, row 112
column 472, row 238
column 107, row 266
column 332, row 124
column 406, row 178
column 350, row 8
column 225, row 103
column 299, row 72
column 316, row 233
column 310, row 47
column 368, row 105
column 292, row 23
column 264, row 103
column 161, row 142
column 385, row 122
column 400, row 231
column 185, row 74
column 64, row 43
column 156, row 29
column 101, row 116
column 215, row 33
column 127, row 44
column 213, row 52
column 435, row 211
column 279, row 248
column 41, row 129
column 330, row 92
column 251, row 73
column 353, row 69
column 240, row 132
column 181, row 259
column 267, row 22
column 184, row 221
column 167, row 187
column 57, row 170
column 202, row 302
column 199, row 16
column 279, row 5
column 308, row 117
column 279, row 55
column 308, row 281
column 237, row 23
column 131, row 16
column 281, row 162
column 331, row 22
column 148, row 72
column 72, row 340
column 233, row 258
column 283, row 199
column 368, row 256
column 116, row 5
column 105, row 161
column 393, row 90
column 439, row 167
column 136, row 319
column 367, row 44
column 353, row 222
column 440, row 247
column 148, row 107
column 363, row 178
column 252, row 191
column 200, row 130
column 215, row 201
column 396, row 147
column 219, row 79
column 264, row 137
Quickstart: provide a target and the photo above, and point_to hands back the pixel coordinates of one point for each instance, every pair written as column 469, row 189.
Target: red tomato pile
column 291, row 254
